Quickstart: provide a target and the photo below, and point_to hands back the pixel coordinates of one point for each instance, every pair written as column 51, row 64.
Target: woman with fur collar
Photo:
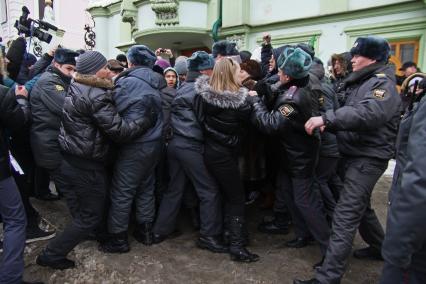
column 223, row 112
column 89, row 122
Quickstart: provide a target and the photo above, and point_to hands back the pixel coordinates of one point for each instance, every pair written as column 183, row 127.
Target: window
column 3, row 11
column 403, row 51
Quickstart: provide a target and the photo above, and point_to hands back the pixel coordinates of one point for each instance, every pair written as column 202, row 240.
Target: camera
column 162, row 50
column 31, row 27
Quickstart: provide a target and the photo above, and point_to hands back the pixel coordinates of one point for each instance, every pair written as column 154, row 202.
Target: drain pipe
column 217, row 24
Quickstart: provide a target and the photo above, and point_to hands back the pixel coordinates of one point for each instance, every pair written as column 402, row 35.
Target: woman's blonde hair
column 224, row 76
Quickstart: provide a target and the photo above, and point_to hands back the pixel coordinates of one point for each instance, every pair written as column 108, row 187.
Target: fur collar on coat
column 93, row 81
column 225, row 99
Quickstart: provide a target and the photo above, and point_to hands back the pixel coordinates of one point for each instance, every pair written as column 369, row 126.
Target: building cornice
column 105, row 10
column 323, row 19
column 147, row 32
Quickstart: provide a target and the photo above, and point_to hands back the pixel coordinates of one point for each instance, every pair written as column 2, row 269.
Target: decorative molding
column 125, row 46
column 129, row 14
column 166, row 12
column 240, row 40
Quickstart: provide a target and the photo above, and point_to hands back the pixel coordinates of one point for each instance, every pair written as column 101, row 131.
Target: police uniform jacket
column 405, row 240
column 292, row 109
column 47, row 99
column 367, row 123
column 183, row 120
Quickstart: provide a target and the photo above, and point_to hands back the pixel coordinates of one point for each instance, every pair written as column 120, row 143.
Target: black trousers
column 222, row 163
column 395, row 275
column 305, row 208
column 324, row 172
column 187, row 166
column 85, row 197
column 353, row 211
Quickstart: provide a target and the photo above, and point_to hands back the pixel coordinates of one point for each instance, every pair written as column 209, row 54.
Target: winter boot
column 117, row 243
column 278, row 225
column 226, row 240
column 143, row 233
column 237, row 249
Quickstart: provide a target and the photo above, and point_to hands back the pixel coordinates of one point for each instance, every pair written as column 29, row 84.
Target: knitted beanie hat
column 90, row 62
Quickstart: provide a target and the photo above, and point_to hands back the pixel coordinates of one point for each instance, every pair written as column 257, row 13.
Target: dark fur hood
column 225, row 99
column 93, row 81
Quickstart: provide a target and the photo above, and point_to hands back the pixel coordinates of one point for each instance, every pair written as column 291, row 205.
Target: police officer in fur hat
column 366, row 129
column 298, row 150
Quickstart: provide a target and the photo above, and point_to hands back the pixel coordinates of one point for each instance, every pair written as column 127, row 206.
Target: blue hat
column 200, row 60
column 141, row 55
column 373, row 47
column 65, row 56
column 295, row 62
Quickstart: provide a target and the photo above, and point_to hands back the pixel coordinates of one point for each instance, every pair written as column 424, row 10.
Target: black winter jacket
column 405, row 240
column 15, row 115
column 136, row 94
column 167, row 96
column 224, row 116
column 47, row 99
column 90, row 121
column 367, row 124
column 41, row 65
column 292, row 109
column 183, row 120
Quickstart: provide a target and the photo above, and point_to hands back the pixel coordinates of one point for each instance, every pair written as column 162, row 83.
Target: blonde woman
column 223, row 112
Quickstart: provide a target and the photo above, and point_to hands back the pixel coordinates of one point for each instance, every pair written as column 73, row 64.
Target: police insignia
column 59, row 88
column 379, row 93
column 286, row 110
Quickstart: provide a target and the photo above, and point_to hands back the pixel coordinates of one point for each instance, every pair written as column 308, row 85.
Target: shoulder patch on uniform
column 59, row 88
column 379, row 93
column 380, row 75
column 286, row 110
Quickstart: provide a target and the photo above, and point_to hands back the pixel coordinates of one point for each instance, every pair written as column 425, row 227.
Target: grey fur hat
column 200, row 60
column 224, row 48
column 295, row 62
column 141, row 55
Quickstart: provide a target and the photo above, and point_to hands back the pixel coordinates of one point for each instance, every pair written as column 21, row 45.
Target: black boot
column 236, row 241
column 279, row 225
column 117, row 243
column 246, row 240
column 212, row 243
column 44, row 259
column 368, row 253
column 143, row 234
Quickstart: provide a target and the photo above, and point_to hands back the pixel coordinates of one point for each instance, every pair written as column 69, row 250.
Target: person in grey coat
column 366, row 131
column 137, row 91
column 404, row 247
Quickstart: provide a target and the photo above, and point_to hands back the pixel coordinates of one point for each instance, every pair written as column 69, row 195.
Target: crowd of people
column 146, row 134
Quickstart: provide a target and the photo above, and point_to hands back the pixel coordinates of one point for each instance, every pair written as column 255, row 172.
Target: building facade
column 70, row 16
column 331, row 25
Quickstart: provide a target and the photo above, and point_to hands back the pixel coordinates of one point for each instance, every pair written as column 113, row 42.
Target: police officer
column 299, row 150
column 404, row 247
column 367, row 126
column 186, row 163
